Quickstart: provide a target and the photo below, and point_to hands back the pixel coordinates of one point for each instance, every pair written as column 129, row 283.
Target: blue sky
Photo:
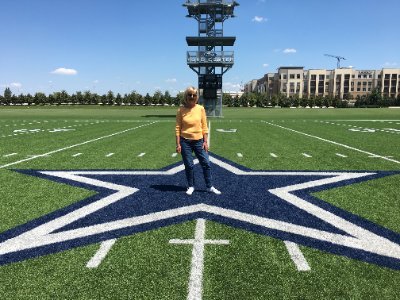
column 126, row 45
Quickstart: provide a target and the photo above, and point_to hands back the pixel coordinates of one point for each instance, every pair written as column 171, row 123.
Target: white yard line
column 297, row 256
column 77, row 154
column 333, row 142
column 195, row 289
column 142, row 154
column 174, row 154
column 109, row 154
column 341, row 155
column 273, row 155
column 239, row 154
column 96, row 260
column 306, row 155
column 9, row 155
column 73, row 146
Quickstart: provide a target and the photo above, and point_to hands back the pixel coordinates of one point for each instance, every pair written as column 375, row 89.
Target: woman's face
column 191, row 99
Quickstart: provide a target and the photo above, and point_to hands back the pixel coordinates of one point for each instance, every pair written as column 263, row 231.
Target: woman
column 191, row 136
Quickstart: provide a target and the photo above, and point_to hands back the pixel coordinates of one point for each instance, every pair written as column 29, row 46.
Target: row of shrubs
column 375, row 99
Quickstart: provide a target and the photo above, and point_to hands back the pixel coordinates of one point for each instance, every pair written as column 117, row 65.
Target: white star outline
column 358, row 237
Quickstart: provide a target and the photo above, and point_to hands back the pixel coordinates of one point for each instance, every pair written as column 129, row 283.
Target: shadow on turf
column 173, row 188
column 168, row 188
column 159, row 116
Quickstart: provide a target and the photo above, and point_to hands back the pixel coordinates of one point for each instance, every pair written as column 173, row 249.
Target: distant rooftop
column 297, row 68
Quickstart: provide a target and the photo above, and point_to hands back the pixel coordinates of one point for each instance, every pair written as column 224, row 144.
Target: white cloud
column 96, row 81
column 231, row 86
column 389, row 64
column 289, row 50
column 259, row 19
column 11, row 85
column 171, row 80
column 15, row 85
column 64, row 71
column 265, row 65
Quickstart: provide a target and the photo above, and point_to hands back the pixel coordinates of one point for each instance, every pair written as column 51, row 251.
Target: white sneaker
column 190, row 190
column 213, row 190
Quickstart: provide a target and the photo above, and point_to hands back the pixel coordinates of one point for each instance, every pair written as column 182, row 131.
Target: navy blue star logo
column 274, row 203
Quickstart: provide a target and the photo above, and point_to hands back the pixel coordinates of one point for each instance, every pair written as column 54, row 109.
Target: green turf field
column 146, row 265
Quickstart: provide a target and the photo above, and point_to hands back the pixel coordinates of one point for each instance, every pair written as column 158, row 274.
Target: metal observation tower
column 210, row 61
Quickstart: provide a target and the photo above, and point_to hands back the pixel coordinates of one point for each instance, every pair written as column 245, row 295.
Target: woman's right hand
column 178, row 149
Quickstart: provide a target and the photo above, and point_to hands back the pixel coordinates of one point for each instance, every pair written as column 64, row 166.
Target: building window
column 291, row 76
column 358, row 89
column 313, row 77
column 285, row 76
column 298, row 76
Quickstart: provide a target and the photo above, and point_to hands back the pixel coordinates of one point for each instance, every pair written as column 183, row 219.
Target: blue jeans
column 196, row 146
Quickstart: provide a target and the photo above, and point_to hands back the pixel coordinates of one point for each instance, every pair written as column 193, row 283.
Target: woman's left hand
column 205, row 146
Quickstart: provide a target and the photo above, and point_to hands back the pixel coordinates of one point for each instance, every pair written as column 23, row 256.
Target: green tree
column 274, row 100
column 167, row 98
column 147, row 99
column 64, row 97
column 252, row 99
column 78, row 98
column 236, row 101
column 28, row 99
column 179, row 99
column 295, row 101
column 226, row 99
column 156, row 97
column 244, row 100
column 260, row 100
column 397, row 102
column 303, row 102
column 318, row 101
column 110, row 98
column 375, row 97
column 40, row 98
column 7, row 94
column 118, row 99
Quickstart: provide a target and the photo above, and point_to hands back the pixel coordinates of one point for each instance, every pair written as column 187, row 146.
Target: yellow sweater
column 191, row 123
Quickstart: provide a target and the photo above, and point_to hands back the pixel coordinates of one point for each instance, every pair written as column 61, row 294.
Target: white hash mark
column 96, row 260
column 297, row 256
column 195, row 289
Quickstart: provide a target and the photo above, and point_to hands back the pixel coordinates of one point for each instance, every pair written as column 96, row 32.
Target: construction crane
column 338, row 59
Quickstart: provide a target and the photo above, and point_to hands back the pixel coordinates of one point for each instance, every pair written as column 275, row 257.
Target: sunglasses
column 192, row 95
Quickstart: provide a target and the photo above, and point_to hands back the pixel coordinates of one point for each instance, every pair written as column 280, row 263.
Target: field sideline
column 202, row 247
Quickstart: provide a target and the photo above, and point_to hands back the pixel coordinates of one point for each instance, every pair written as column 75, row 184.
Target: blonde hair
column 191, row 90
